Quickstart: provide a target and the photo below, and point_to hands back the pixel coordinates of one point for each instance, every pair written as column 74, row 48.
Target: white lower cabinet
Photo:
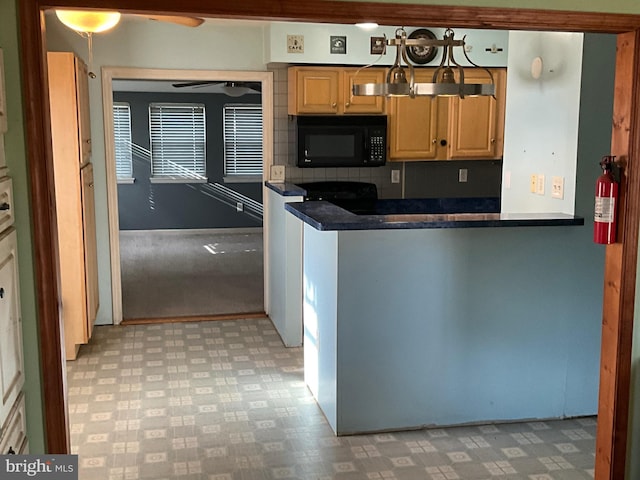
column 14, row 432
column 13, row 437
column 11, row 356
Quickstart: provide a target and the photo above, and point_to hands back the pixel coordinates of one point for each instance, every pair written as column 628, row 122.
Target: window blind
column 122, row 138
column 178, row 140
column 243, row 140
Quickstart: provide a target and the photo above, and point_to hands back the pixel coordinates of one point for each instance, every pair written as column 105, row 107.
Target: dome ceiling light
column 400, row 83
column 88, row 21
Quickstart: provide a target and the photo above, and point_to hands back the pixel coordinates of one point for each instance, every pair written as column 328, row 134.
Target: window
column 178, row 142
column 243, row 143
column 122, row 137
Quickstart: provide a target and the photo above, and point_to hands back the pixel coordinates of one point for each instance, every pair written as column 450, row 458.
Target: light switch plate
column 533, row 183
column 395, row 176
column 277, row 173
column 462, row 175
column 295, row 43
column 540, row 185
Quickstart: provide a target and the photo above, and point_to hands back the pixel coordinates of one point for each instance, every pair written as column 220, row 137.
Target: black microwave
column 341, row 140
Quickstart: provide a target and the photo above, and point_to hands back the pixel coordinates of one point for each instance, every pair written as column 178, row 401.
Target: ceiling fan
column 233, row 89
column 184, row 20
column 97, row 21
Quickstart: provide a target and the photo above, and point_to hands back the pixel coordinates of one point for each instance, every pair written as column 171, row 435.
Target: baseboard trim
column 194, row 318
column 186, row 231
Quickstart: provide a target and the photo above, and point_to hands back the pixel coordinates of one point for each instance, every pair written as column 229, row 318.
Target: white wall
column 541, row 131
column 317, row 42
column 148, row 44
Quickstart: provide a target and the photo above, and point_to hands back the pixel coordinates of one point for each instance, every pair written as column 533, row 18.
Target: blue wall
column 148, row 206
column 442, row 327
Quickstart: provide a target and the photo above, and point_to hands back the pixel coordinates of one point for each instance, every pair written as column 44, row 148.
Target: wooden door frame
column 109, row 74
column 620, row 258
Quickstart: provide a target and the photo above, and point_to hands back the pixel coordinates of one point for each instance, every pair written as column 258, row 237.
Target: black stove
column 339, row 190
column 356, row 197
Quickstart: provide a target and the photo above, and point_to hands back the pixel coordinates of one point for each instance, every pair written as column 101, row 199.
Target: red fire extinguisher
column 605, row 218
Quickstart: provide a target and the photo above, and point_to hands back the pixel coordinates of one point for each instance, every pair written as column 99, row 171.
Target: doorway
column 207, row 242
column 621, row 260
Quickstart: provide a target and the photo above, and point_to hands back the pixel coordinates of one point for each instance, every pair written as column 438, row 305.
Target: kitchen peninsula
column 414, row 320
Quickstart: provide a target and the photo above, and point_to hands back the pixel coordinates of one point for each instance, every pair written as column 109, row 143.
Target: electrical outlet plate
column 395, row 176
column 462, row 175
column 533, row 183
column 557, row 187
column 540, row 185
column 277, row 173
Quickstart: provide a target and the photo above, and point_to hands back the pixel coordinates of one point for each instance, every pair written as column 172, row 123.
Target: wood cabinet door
column 362, row 104
column 82, row 105
column 90, row 248
column 475, row 127
column 413, row 125
column 11, row 357
column 315, row 91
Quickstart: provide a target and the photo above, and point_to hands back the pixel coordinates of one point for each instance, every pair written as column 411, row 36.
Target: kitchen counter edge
column 286, row 189
column 325, row 216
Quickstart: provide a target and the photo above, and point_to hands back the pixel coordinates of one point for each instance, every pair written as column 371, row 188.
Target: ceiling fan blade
column 178, row 19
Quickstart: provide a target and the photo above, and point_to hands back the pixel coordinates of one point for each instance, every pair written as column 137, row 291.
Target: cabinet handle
column 334, row 105
column 493, row 140
column 11, row 451
column 5, row 206
column 347, row 105
column 443, row 142
column 434, row 141
column 90, row 185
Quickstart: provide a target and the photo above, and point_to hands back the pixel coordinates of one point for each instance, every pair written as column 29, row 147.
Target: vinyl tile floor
column 226, row 401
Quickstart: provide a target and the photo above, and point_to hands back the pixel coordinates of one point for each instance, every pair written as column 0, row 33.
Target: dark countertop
column 327, row 216
column 286, row 189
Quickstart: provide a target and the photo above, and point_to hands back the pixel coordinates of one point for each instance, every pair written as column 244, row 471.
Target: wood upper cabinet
column 75, row 203
column 476, row 125
column 413, row 124
column 442, row 128
column 327, row 90
column 69, row 99
column 362, row 104
column 82, row 105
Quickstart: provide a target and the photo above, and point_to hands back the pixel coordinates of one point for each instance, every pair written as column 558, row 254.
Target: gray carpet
column 166, row 274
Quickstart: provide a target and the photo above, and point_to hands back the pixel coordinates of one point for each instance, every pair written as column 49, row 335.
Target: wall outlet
column 533, row 183
column 239, row 206
column 540, row 185
column 395, row 176
column 557, row 187
column 462, row 175
column 277, row 173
